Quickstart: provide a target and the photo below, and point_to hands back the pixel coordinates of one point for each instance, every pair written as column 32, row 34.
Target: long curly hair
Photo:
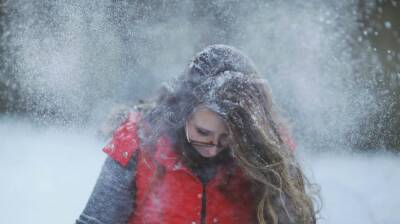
column 226, row 81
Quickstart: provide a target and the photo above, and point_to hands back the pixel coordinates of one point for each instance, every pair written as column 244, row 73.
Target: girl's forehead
column 206, row 118
column 203, row 112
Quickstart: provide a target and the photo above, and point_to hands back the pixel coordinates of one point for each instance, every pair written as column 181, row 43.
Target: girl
column 211, row 149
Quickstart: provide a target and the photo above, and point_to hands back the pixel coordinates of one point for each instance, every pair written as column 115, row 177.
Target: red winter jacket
column 178, row 196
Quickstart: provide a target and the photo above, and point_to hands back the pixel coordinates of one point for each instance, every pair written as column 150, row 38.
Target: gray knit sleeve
column 112, row 199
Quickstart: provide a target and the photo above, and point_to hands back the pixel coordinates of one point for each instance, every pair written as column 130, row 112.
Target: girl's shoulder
column 125, row 140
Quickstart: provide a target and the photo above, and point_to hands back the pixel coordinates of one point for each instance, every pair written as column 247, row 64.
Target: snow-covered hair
column 209, row 67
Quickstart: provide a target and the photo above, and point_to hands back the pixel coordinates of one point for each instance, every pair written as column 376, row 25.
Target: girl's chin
column 208, row 153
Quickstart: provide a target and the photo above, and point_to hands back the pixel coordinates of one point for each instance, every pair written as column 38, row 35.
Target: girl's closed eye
column 202, row 132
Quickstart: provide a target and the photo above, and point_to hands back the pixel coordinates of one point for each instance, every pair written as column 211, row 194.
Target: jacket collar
column 167, row 156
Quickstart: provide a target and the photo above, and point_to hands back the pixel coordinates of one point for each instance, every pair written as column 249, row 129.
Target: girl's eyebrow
column 206, row 130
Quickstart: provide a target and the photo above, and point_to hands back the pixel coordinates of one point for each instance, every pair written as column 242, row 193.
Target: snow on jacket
column 178, row 196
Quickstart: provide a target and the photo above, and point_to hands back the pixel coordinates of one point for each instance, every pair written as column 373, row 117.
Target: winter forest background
column 333, row 66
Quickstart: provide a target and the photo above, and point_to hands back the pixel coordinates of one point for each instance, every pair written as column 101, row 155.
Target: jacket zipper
column 203, row 204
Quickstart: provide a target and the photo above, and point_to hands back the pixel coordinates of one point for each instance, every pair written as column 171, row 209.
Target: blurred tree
column 9, row 87
column 380, row 24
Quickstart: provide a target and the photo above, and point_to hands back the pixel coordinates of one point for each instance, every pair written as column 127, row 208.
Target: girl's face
column 206, row 131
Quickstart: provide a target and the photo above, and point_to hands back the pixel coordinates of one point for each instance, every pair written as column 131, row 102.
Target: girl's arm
column 112, row 199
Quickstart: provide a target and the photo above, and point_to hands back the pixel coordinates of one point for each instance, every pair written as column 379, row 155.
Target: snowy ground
column 47, row 176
